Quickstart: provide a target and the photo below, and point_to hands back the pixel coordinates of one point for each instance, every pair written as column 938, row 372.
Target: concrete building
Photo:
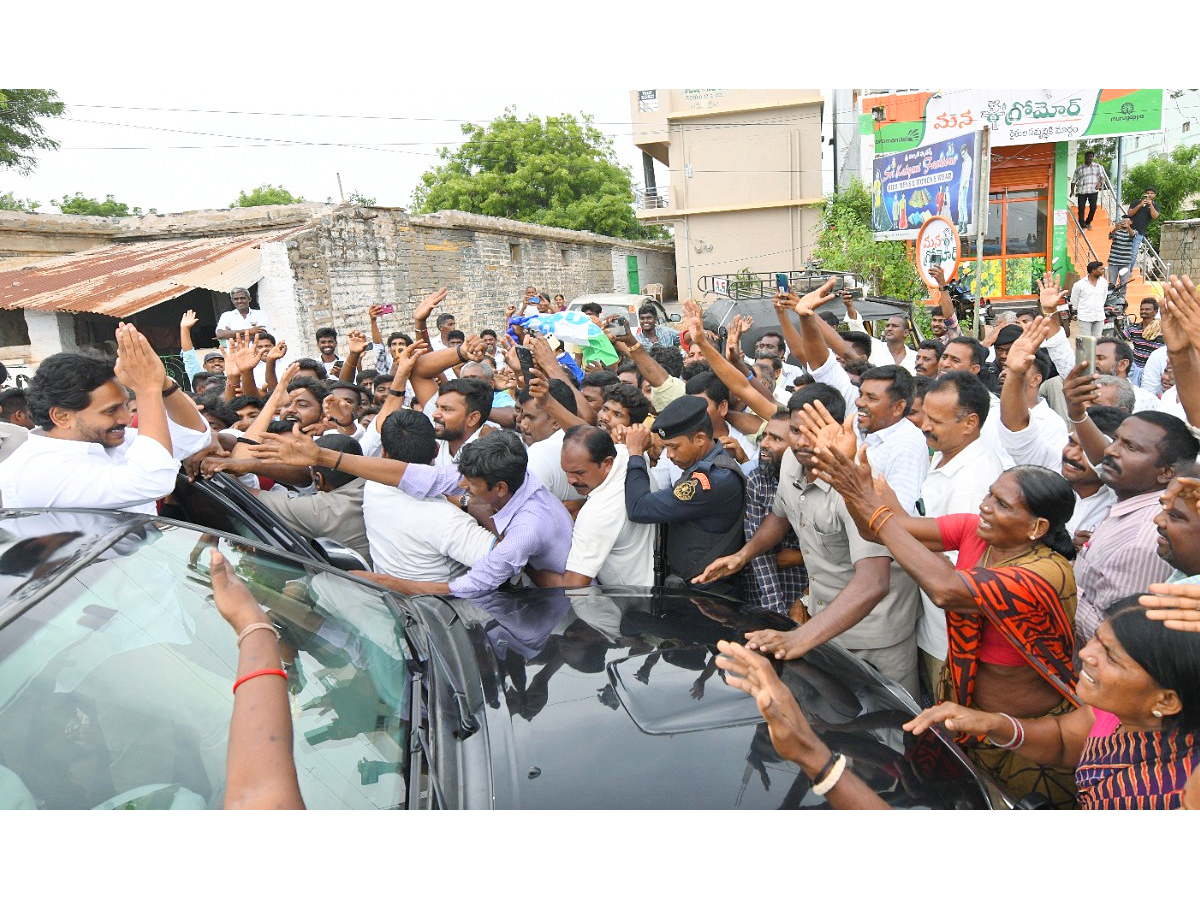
column 66, row 282
column 745, row 177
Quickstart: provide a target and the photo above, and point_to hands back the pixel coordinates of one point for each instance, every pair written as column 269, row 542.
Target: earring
column 1156, row 713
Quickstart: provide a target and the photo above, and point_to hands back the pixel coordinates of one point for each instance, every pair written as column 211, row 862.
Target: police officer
column 704, row 508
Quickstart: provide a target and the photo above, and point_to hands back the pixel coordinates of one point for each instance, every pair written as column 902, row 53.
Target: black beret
column 1008, row 334
column 686, row 415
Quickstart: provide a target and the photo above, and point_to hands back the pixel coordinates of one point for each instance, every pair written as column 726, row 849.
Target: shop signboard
column 909, row 188
column 1026, row 116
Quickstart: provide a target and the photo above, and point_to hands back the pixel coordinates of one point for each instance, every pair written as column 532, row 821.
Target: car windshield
column 115, row 684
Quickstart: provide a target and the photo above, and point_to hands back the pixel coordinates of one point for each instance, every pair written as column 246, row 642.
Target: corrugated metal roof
column 123, row 279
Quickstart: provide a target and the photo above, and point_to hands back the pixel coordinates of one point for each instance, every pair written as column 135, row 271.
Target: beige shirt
column 336, row 514
column 832, row 545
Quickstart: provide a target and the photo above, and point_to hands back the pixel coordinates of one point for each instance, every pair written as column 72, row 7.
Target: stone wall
column 353, row 257
column 1179, row 246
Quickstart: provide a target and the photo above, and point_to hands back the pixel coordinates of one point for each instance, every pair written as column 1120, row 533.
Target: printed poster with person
column 912, row 187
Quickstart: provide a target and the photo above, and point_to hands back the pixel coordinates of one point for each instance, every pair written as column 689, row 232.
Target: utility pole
column 982, row 184
column 341, row 193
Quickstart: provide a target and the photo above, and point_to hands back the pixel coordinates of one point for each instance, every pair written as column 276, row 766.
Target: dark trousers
column 1085, row 199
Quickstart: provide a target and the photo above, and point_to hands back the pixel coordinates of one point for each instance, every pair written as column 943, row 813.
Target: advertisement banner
column 1023, row 116
column 911, row 187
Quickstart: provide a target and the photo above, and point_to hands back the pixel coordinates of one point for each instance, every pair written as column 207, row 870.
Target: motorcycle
column 1116, row 319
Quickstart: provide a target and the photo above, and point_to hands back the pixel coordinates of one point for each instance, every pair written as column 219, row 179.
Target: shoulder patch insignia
column 705, row 484
column 685, row 490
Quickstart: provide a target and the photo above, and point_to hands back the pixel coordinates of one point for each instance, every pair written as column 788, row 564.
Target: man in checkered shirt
column 1085, row 183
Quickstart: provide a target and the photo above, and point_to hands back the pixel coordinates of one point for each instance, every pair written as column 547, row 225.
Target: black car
column 116, row 669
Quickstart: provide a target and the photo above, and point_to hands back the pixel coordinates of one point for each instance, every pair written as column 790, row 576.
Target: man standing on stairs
column 1120, row 253
column 1142, row 214
column 1086, row 184
column 1087, row 299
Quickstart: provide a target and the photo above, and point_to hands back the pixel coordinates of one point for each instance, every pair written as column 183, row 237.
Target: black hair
column 363, row 394
column 630, row 366
column 398, row 334
column 3, row 373
column 488, row 331
column 1107, row 418
column 777, row 336
column 1178, row 442
column 592, row 309
column 921, row 385
column 559, row 390
column 245, row 400
column 970, row 394
column 325, row 332
column 1094, row 265
column 1048, row 496
column 280, row 426
column 861, row 342
column 407, row 435
column 1168, row 656
column 767, row 355
column 781, row 415
column 66, row 380
column 631, row 398
column 900, row 383
column 708, row 384
column 314, row 365
column 477, row 394
column 1043, row 363
column 1121, row 350
column 1149, row 300
column 831, row 397
column 338, row 443
column 936, row 346
column 830, row 319
column 265, row 334
column 214, row 404
column 978, row 351
column 495, row 457
column 691, row 369
column 648, row 309
column 314, row 387
column 601, row 379
column 596, row 441
column 445, row 317
column 455, row 335
column 370, row 375
column 13, row 401
column 669, row 358
column 202, row 378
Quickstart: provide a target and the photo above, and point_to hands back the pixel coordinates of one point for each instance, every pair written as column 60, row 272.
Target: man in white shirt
column 605, row 544
column 895, row 446
column 1030, row 431
column 544, row 439
column 961, row 473
column 1115, row 357
column 892, row 350
column 772, row 342
column 418, row 539
column 84, row 452
column 241, row 317
column 1087, row 299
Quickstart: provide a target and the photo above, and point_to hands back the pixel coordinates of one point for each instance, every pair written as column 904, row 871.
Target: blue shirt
column 665, row 337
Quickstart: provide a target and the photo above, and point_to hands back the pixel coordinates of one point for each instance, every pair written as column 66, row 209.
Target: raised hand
column 1181, row 306
column 693, row 319
column 539, row 387
column 542, row 354
column 277, row 352
column 138, row 366
column 429, row 304
column 853, row 480
column 1080, row 391
column 1023, row 349
column 473, row 348
column 823, row 430
column 787, row 301
column 245, row 357
column 939, row 275
column 734, row 449
column 637, row 439
column 338, row 412
column 374, row 311
column 356, row 342
column 294, row 449
column 233, row 599
column 402, row 365
column 810, row 301
column 1177, row 606
column 189, row 319
column 1050, row 293
column 509, row 311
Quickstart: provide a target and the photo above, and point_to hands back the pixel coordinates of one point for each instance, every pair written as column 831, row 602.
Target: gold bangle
column 883, row 522
column 875, row 515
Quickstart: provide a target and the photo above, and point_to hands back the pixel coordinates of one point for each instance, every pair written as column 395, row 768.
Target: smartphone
column 781, row 282
column 1085, row 352
column 387, row 309
column 618, row 327
column 525, row 355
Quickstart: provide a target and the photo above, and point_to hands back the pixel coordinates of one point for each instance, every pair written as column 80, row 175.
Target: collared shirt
column 881, row 353
column 832, row 545
column 534, row 528
column 606, row 544
column 958, row 486
column 1120, row 559
column 901, row 455
column 770, row 587
column 1152, row 373
column 1040, row 442
column 421, row 539
column 336, row 514
column 663, row 337
column 1087, row 178
column 1120, row 252
column 49, row 471
column 1088, row 299
column 232, row 320
column 1142, row 346
column 545, row 461
column 1090, row 511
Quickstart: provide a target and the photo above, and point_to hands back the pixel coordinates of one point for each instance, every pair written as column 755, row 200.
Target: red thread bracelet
column 237, row 684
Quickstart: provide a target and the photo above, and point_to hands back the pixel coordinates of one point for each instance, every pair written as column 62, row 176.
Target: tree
column 17, row 204
column 847, row 244
column 562, row 173
column 1175, row 177
column 21, row 131
column 80, row 205
column 357, row 199
column 265, row 195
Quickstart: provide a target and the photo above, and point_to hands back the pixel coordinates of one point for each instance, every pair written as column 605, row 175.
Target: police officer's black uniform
column 703, row 511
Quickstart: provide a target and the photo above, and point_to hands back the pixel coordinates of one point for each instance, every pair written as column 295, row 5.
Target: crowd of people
column 974, row 519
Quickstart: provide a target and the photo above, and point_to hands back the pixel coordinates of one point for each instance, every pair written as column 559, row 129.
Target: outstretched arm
column 723, row 368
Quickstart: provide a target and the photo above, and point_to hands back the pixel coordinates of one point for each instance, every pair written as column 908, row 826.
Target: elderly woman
column 1009, row 600
column 1133, row 745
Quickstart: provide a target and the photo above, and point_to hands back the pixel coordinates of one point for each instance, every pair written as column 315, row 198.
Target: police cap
column 685, row 415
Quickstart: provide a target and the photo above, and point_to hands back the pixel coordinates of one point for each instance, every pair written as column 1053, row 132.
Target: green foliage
column 1105, row 149
column 1175, row 177
column 846, row 243
column 21, row 131
column 80, row 205
column 357, row 199
column 17, row 204
column 265, row 195
column 744, row 284
column 561, row 173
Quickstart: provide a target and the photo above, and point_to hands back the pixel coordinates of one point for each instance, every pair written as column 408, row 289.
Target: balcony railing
column 652, row 198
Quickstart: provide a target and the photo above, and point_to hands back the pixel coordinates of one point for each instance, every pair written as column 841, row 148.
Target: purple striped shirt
column 534, row 528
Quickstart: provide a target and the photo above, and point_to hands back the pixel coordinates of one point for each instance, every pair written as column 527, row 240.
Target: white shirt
column 545, row 461
column 1090, row 511
column 956, row 487
column 990, row 433
column 1144, row 401
column 831, row 373
column 50, row 471
column 235, row 321
column 1152, row 373
column 605, row 545
column 1040, row 443
column 1088, row 299
column 901, row 455
column 881, row 353
column 421, row 540
column 1058, row 345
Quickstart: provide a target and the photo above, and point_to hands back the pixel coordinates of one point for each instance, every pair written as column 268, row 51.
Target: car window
column 115, row 688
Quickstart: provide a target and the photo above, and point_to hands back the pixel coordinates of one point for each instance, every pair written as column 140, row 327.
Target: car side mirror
column 675, row 317
column 340, row 556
